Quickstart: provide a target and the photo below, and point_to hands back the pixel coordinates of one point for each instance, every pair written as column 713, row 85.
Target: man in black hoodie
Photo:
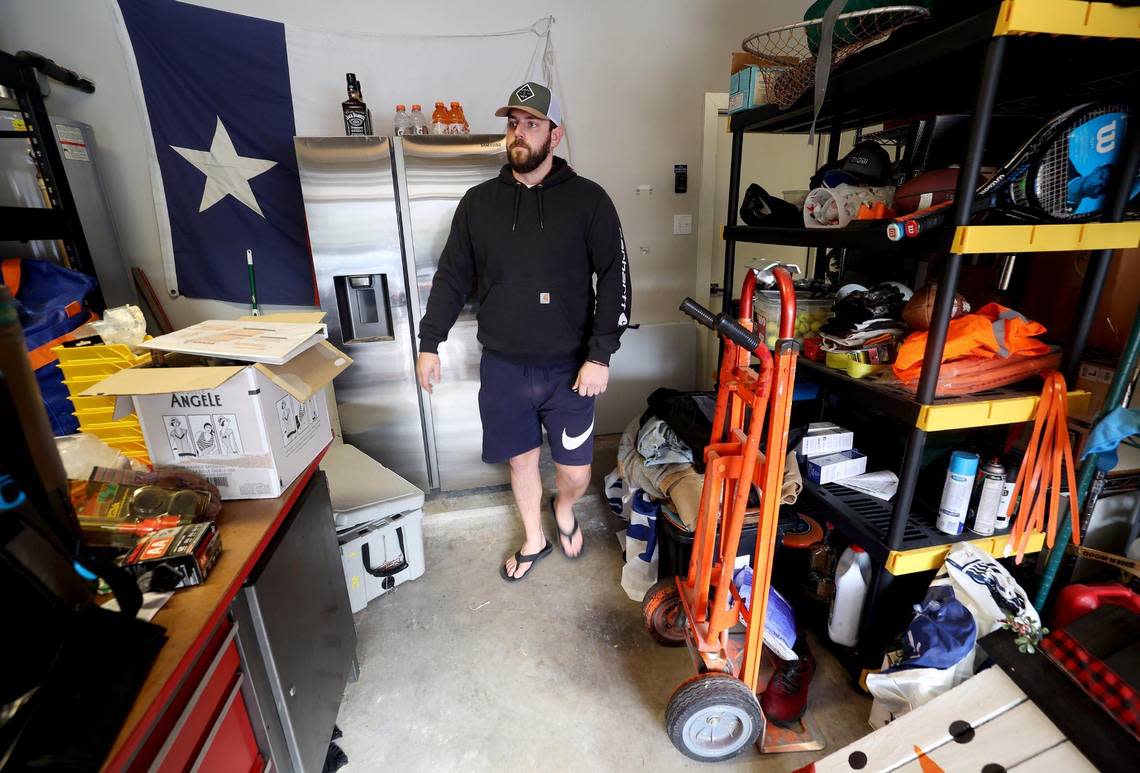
column 532, row 243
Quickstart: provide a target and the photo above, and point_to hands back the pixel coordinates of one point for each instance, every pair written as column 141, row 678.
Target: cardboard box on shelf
column 742, row 59
column 833, row 467
column 746, row 89
column 825, row 438
column 248, row 429
column 1096, row 377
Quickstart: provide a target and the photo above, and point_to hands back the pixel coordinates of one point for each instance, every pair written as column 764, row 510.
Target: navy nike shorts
column 517, row 401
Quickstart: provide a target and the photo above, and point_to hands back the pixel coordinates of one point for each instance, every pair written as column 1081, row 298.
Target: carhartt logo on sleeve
column 544, row 297
column 524, row 93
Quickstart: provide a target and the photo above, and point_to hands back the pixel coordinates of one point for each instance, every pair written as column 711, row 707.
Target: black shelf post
column 947, row 287
column 733, row 203
column 19, row 74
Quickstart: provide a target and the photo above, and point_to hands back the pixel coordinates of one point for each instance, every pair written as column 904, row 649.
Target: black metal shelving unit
column 984, row 66
column 59, row 222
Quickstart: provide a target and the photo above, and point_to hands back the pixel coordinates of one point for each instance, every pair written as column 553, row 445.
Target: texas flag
column 216, row 88
column 225, row 94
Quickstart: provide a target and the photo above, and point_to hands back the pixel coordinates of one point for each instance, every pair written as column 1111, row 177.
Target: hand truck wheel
column 663, row 614
column 713, row 717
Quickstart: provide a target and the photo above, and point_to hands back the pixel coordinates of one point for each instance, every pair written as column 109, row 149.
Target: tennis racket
column 1059, row 175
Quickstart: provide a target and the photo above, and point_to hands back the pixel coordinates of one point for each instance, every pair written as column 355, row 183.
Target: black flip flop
column 568, row 535
column 520, row 559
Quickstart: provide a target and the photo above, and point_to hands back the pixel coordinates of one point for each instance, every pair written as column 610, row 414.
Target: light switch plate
column 682, row 224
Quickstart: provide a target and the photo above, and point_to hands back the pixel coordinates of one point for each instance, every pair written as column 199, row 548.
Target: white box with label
column 248, row 429
column 833, row 467
column 826, row 438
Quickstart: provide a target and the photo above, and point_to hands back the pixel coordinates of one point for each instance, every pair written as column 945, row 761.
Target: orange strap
column 43, row 355
column 1039, row 481
column 11, row 269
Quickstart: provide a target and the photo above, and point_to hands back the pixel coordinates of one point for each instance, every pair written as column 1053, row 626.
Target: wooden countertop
column 246, row 527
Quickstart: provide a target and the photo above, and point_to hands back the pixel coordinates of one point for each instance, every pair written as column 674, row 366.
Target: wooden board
column 246, row 527
column 1084, row 722
column 977, row 700
column 1062, row 757
column 1011, row 738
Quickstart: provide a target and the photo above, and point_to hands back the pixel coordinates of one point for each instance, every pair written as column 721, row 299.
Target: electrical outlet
column 682, row 224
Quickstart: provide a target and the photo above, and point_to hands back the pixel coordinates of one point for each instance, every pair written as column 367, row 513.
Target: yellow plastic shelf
column 987, row 413
column 1067, row 17
column 974, row 239
column 924, row 559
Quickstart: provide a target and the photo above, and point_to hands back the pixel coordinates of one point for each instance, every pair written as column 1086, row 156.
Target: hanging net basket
column 788, row 54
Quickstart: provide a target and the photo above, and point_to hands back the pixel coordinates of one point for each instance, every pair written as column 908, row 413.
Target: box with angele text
column 248, row 429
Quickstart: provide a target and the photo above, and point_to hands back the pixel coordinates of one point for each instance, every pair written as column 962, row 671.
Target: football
column 926, row 190
column 920, row 308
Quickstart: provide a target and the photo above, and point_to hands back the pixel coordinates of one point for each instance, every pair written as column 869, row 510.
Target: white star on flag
column 227, row 173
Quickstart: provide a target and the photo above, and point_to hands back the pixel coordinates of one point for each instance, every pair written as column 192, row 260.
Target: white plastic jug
column 852, row 579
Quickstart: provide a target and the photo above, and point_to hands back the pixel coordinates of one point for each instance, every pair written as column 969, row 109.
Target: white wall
column 634, row 77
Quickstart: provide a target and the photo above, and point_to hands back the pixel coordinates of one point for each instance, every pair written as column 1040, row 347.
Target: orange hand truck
column 716, row 714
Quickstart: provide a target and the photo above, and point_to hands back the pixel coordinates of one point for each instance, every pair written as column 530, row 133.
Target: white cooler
column 379, row 523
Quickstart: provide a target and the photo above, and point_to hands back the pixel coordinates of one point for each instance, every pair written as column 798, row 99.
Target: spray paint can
column 991, row 481
column 1002, row 520
column 956, row 492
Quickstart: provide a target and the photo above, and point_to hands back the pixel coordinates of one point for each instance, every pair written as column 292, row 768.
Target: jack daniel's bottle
column 356, row 118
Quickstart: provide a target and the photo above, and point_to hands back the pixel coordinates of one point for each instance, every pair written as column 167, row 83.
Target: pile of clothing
column 866, row 324
column 662, row 453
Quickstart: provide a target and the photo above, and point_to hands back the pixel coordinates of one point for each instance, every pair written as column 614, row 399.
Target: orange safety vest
column 992, row 331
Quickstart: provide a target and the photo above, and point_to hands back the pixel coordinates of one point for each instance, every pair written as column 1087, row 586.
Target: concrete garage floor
column 461, row 671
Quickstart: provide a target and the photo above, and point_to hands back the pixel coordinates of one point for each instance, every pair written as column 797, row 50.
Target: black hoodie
column 530, row 254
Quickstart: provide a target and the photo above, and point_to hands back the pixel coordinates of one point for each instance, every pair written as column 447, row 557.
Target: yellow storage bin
column 101, row 360
column 115, row 431
column 86, row 366
column 105, row 353
column 92, row 403
column 104, row 415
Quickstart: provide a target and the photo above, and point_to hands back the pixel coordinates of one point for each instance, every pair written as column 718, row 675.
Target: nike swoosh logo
column 570, row 443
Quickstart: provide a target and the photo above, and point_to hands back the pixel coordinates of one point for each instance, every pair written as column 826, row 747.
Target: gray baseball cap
column 535, row 99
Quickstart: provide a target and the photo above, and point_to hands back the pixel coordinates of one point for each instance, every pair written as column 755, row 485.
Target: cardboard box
column 264, row 339
column 1096, row 378
column 833, row 467
column 825, row 438
column 180, row 557
column 743, row 59
column 746, row 89
column 248, row 429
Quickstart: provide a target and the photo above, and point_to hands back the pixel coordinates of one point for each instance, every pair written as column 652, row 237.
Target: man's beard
column 533, row 160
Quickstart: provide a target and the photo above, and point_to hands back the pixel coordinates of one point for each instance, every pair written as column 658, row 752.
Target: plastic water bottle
column 852, row 579
column 402, row 122
column 459, row 123
column 440, row 119
column 420, row 123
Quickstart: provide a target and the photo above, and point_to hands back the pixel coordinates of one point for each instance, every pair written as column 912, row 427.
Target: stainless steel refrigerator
column 379, row 211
